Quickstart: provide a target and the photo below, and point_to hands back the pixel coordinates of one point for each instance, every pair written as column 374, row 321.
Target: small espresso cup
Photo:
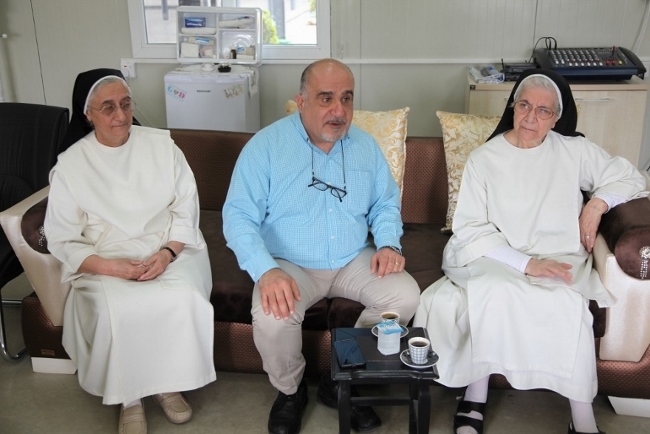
column 389, row 316
column 419, row 350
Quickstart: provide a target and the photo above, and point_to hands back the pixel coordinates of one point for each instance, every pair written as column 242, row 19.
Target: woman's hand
column 159, row 261
column 155, row 265
column 549, row 268
column 590, row 220
column 124, row 268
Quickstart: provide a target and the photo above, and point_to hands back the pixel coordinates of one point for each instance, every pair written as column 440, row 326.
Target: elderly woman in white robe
column 123, row 219
column 518, row 269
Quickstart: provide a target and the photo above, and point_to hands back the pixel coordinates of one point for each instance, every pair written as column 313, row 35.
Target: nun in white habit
column 518, row 269
column 123, row 219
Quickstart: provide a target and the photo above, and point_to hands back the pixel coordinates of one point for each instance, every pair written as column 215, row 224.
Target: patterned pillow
column 389, row 131
column 461, row 134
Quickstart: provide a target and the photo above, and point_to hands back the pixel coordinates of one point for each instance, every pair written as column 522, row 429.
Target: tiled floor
column 33, row 403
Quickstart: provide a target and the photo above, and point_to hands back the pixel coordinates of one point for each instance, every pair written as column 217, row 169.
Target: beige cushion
column 389, row 131
column 461, row 134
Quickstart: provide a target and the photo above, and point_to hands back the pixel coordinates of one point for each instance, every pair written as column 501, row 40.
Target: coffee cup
column 419, row 350
column 389, row 316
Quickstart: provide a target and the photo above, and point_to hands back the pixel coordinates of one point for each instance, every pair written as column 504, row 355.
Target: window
column 293, row 29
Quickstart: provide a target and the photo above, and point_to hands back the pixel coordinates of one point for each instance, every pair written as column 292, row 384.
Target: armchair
column 30, row 136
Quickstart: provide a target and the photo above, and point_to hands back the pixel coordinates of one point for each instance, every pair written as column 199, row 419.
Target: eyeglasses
column 110, row 109
column 324, row 186
column 542, row 113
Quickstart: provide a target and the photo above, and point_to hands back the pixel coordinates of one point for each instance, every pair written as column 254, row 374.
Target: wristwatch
column 169, row 249
column 394, row 249
column 645, row 256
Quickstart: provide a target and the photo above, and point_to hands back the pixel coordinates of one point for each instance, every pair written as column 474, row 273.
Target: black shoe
column 287, row 410
column 362, row 418
column 467, row 407
column 573, row 431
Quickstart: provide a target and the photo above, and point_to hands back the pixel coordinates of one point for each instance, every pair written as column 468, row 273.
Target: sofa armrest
column 627, row 334
column 42, row 269
column 626, row 229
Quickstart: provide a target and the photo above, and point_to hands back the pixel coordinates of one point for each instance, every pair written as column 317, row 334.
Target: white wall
column 403, row 52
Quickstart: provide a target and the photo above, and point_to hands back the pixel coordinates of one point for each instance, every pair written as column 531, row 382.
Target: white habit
column 132, row 339
column 486, row 317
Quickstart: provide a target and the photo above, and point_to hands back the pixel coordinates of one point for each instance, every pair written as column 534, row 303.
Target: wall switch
column 127, row 66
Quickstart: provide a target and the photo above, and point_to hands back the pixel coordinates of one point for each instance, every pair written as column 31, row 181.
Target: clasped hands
column 279, row 291
column 131, row 269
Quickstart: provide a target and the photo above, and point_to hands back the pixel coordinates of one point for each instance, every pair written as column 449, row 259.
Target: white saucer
column 404, row 332
column 432, row 359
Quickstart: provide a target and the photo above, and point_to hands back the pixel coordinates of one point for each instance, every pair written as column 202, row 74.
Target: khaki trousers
column 279, row 342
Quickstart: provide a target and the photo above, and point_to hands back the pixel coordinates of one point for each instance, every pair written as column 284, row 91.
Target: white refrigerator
column 211, row 100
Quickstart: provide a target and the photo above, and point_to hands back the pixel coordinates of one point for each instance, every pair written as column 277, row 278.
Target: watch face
column 645, row 252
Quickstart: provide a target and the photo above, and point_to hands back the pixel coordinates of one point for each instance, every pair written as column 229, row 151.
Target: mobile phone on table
column 349, row 354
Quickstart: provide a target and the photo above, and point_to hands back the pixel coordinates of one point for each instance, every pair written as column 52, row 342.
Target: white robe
column 132, row 339
column 486, row 317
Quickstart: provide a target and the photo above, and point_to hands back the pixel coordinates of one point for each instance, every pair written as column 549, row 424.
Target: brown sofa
column 212, row 155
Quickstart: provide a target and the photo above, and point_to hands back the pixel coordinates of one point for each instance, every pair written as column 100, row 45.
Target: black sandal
column 467, row 407
column 573, row 431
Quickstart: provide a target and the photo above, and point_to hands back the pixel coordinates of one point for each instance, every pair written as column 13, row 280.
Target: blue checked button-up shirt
column 271, row 213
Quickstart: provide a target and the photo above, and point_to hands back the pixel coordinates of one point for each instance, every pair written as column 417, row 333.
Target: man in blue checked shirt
column 303, row 195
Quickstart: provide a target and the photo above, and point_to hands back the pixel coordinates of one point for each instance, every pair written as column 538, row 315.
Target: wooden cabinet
column 609, row 114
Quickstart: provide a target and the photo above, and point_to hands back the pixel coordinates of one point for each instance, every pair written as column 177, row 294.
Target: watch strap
column 170, row 250
column 394, row 249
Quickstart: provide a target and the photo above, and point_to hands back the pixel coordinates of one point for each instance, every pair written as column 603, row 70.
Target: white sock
column 582, row 415
column 476, row 392
column 132, row 403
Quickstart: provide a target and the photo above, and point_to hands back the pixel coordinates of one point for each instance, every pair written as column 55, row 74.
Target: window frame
column 144, row 50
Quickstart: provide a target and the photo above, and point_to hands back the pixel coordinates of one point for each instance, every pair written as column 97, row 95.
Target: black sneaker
column 362, row 418
column 287, row 410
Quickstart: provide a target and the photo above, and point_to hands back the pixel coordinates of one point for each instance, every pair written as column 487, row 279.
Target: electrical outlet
column 127, row 66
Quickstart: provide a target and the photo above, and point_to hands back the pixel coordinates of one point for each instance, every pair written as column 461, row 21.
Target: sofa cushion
column 422, row 245
column 388, row 128
column 425, row 182
column 232, row 289
column 461, row 134
column 212, row 156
